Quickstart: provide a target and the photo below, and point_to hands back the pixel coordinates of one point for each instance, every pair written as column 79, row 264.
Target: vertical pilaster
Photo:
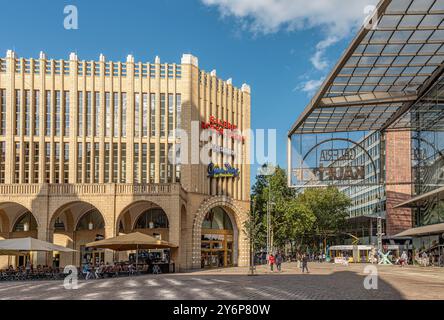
column 102, row 120
column 158, row 120
column 42, row 67
column 130, row 119
column 73, row 116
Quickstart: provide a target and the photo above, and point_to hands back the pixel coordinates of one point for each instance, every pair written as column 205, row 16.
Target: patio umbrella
column 10, row 253
column 131, row 241
column 30, row 244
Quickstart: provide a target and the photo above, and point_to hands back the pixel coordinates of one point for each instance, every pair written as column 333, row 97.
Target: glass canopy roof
column 427, row 114
column 383, row 72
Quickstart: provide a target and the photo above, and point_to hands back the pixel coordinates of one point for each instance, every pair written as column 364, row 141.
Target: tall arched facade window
column 154, row 218
column 25, row 223
column 217, row 239
column 91, row 220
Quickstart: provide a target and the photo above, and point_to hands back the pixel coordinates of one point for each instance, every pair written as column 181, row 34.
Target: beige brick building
column 88, row 149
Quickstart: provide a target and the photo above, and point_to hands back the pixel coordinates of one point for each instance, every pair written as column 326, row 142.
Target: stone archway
column 64, row 230
column 18, row 221
column 185, row 234
column 130, row 215
column 10, row 215
column 238, row 218
column 4, row 223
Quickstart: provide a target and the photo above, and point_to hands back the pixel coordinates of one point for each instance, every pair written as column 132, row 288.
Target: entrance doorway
column 91, row 256
column 217, row 240
column 22, row 260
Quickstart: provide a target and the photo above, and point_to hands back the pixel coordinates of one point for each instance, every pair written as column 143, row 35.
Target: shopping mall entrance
column 217, row 240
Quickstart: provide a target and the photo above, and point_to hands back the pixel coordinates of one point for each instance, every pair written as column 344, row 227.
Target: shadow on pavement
column 340, row 285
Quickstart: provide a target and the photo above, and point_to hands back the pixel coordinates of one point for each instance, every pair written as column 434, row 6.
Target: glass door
column 216, row 250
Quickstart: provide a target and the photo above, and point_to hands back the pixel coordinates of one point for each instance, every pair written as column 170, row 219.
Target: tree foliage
column 329, row 205
column 289, row 218
column 313, row 213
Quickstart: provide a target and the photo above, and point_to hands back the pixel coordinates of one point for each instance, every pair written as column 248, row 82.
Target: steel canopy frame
column 382, row 73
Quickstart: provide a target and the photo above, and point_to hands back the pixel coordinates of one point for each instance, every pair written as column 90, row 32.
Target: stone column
column 39, row 209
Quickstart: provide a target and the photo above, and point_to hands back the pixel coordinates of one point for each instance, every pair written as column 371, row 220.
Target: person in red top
column 271, row 261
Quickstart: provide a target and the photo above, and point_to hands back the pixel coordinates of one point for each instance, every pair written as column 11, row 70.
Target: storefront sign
column 222, row 127
column 214, row 171
column 339, row 173
column 333, row 168
column 337, row 154
column 340, row 260
column 219, row 149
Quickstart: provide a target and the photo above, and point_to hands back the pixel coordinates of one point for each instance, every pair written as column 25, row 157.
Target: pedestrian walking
column 404, row 259
column 279, row 260
column 28, row 267
column 89, row 271
column 305, row 263
column 271, row 261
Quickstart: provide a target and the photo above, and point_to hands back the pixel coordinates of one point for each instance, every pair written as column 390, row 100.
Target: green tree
column 329, row 206
column 289, row 218
column 254, row 227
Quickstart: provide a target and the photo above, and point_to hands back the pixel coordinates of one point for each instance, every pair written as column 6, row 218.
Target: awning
column 419, row 231
column 363, row 218
column 350, row 247
column 10, row 253
column 30, row 244
column 421, row 199
column 386, row 68
column 132, row 241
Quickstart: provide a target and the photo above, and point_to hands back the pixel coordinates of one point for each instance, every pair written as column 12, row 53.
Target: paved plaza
column 325, row 281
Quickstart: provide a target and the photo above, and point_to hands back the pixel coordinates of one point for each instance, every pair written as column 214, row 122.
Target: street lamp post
column 268, row 223
column 268, row 170
column 379, row 224
column 252, row 232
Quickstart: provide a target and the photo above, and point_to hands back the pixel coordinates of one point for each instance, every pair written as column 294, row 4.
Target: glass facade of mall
column 383, row 100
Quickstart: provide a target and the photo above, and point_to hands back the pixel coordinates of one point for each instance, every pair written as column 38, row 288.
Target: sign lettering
column 214, row 171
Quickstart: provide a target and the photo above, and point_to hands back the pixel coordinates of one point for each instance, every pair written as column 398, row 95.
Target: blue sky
column 281, row 48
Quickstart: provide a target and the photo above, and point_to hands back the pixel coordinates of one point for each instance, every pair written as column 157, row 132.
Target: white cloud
column 318, row 59
column 336, row 19
column 310, row 86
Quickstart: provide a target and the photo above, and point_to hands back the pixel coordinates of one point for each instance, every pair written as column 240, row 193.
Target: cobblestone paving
column 326, row 281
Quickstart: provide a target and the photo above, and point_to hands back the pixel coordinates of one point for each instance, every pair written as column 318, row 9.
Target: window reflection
column 26, row 222
column 217, row 219
column 152, row 219
column 91, row 221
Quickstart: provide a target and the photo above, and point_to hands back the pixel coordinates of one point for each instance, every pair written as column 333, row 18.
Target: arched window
column 152, row 219
column 217, row 219
column 26, row 222
column 59, row 225
column 91, row 220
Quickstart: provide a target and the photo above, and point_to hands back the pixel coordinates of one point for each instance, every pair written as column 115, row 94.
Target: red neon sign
column 220, row 126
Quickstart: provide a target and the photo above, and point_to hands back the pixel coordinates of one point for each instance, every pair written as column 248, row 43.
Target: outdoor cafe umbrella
column 12, row 246
column 131, row 241
column 10, row 253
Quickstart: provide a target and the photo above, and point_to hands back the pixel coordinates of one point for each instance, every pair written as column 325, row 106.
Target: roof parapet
column 10, row 54
column 190, row 59
column 246, row 88
column 73, row 57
